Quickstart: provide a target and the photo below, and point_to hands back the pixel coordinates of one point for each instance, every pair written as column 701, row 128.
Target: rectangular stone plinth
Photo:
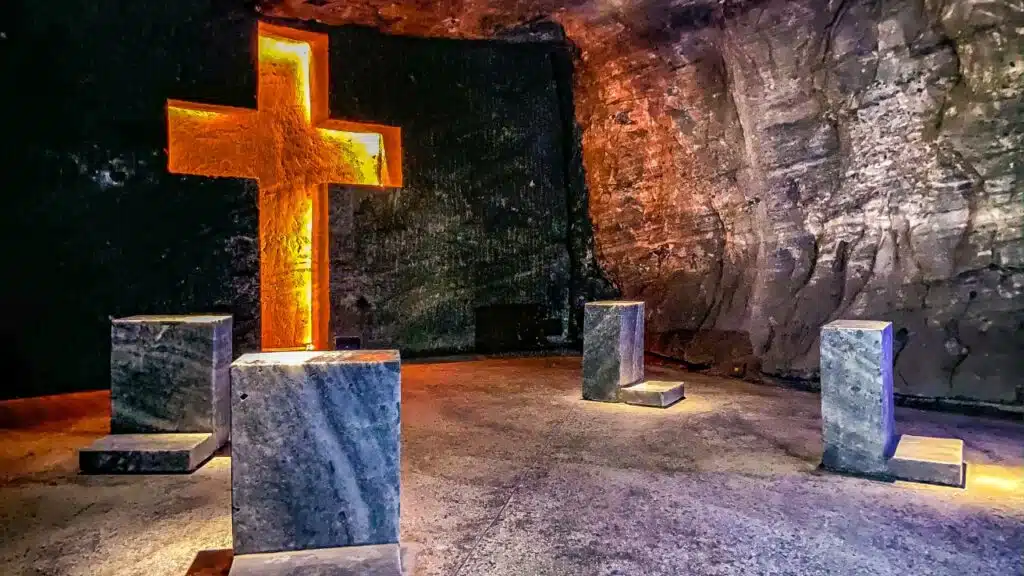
column 926, row 459
column 170, row 374
column 314, row 450
column 378, row 560
column 856, row 396
column 652, row 393
column 147, row 453
column 613, row 348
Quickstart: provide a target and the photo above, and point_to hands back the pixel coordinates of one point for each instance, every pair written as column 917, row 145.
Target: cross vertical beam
column 291, row 147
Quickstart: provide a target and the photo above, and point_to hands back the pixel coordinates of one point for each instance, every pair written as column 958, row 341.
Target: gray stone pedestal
column 858, row 423
column 315, row 473
column 858, row 426
column 169, row 395
column 613, row 348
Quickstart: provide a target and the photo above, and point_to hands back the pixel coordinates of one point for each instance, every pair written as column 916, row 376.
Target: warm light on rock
column 757, row 169
column 291, row 147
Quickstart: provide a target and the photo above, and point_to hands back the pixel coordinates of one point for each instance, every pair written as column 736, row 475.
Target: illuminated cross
column 293, row 150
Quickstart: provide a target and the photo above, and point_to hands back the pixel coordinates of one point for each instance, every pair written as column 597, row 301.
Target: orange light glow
column 995, row 479
column 291, row 147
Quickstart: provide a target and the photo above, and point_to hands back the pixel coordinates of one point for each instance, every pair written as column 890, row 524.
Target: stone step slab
column 373, row 560
column 148, row 453
column 858, row 425
column 927, row 459
column 655, row 393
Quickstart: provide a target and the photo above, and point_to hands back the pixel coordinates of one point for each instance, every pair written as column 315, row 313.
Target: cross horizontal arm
column 209, row 140
column 381, row 143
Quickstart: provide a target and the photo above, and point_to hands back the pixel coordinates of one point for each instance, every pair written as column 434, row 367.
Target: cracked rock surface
column 757, row 169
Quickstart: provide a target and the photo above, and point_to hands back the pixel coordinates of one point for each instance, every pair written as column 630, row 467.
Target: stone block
column 147, row 453
column 376, row 560
column 926, row 459
column 315, row 450
column 856, row 396
column 652, row 393
column 170, row 374
column 613, row 348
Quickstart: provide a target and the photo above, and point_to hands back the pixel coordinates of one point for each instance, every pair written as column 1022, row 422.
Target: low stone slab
column 315, row 450
column 652, row 393
column 858, row 426
column 377, row 560
column 147, row 453
column 613, row 348
column 926, row 459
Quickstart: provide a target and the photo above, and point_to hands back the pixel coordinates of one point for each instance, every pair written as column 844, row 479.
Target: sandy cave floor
column 505, row 471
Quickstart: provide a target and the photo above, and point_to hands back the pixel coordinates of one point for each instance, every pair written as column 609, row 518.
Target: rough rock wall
column 881, row 139
column 478, row 250
column 758, row 168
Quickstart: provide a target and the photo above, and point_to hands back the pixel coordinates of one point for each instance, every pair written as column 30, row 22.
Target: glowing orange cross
column 293, row 150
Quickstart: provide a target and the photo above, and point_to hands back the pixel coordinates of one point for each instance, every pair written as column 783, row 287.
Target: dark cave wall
column 491, row 230
column 95, row 226
column 483, row 248
column 757, row 168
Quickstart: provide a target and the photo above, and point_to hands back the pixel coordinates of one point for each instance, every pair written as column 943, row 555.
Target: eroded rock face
column 759, row 168
column 881, row 198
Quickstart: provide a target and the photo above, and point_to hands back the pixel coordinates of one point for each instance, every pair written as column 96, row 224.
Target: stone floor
column 507, row 472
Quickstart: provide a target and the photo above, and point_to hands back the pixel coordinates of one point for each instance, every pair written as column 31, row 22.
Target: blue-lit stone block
column 170, row 374
column 858, row 426
column 170, row 396
column 315, row 450
column 168, row 453
column 613, row 348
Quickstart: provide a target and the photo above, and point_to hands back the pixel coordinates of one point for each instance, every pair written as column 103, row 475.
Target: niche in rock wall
column 475, row 251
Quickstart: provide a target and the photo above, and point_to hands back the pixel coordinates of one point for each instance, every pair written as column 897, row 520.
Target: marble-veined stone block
column 170, row 374
column 613, row 348
column 858, row 425
column 315, row 450
column 170, row 396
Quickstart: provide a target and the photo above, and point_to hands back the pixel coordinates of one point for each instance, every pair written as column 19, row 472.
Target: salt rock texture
column 759, row 168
